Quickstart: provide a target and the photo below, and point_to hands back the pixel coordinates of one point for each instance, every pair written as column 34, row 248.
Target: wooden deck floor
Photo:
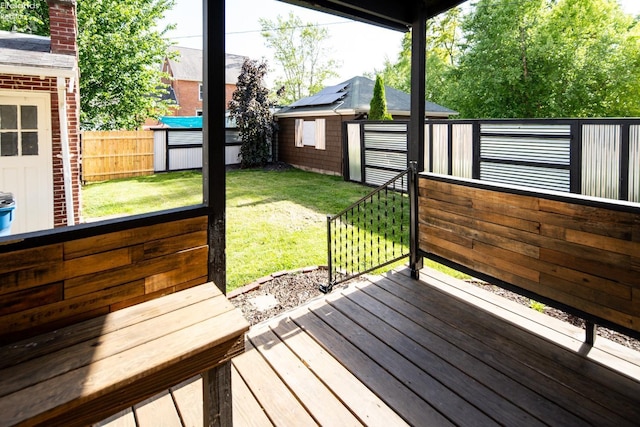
column 395, row 351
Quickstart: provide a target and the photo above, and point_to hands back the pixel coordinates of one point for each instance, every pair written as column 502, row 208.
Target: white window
column 200, row 92
column 18, row 130
column 198, row 112
column 310, row 133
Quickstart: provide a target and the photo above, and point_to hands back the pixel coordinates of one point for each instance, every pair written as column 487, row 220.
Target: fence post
column 625, row 130
column 415, row 261
column 327, row 288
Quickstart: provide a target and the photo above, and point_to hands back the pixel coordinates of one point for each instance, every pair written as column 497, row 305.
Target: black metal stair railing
column 371, row 233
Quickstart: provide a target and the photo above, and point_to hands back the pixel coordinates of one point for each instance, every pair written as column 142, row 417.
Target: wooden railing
column 581, row 254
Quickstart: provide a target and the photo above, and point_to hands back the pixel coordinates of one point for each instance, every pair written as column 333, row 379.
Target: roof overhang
column 396, row 15
column 354, row 112
column 25, row 70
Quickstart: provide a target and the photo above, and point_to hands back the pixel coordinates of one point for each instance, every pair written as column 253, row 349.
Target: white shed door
column 26, row 164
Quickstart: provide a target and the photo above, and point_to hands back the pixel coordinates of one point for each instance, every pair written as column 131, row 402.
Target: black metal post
column 416, row 129
column 625, row 129
column 327, row 288
column 575, row 180
column 475, row 174
column 415, row 261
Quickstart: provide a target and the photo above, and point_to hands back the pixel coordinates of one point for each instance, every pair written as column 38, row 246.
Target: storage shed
column 311, row 129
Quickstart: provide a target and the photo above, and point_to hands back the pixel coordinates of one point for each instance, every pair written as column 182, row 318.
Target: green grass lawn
column 276, row 220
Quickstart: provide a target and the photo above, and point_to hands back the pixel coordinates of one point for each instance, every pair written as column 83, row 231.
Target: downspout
column 66, row 155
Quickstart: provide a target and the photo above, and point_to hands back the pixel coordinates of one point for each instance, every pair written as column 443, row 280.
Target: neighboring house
column 39, row 122
column 185, row 87
column 310, row 129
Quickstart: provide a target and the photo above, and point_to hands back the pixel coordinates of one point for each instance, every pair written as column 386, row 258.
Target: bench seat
column 85, row 372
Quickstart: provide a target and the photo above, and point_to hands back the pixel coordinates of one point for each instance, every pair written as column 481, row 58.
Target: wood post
column 216, row 392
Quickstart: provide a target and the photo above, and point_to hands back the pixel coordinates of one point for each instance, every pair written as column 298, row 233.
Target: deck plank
column 448, row 403
column 562, row 376
column 393, row 351
column 188, row 400
column 562, row 333
column 619, row 374
column 467, row 353
column 311, row 392
column 157, row 411
column 124, row 418
column 391, row 390
column 276, row 399
column 368, row 407
column 246, row 410
column 404, row 337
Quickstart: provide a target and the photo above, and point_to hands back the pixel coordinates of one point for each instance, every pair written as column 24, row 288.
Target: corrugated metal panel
column 232, row 136
column 440, row 149
column 634, row 163
column 185, row 158
column 185, row 137
column 159, row 151
column 378, row 177
column 427, row 148
column 397, row 161
column 601, row 160
column 462, row 136
column 353, row 147
column 232, row 155
column 385, row 141
column 386, row 127
column 535, row 177
column 526, row 129
column 526, row 149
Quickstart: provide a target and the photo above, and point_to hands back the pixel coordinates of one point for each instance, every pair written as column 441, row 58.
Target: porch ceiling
column 397, row 15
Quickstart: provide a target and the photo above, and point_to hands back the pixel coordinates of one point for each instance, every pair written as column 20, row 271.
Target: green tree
column 588, row 52
column 495, row 76
column 25, row 16
column 120, row 50
column 378, row 105
column 299, row 49
column 548, row 58
column 442, row 54
column 250, row 107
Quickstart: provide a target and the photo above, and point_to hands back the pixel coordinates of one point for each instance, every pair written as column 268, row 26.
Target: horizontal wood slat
column 48, row 287
column 579, row 253
column 116, row 154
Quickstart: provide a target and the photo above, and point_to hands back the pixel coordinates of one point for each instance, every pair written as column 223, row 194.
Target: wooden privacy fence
column 116, row 154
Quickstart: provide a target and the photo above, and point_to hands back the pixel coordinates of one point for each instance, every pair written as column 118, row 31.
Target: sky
column 359, row 48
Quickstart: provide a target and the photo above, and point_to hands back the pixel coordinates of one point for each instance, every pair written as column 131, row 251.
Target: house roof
column 353, row 96
column 396, row 15
column 31, row 55
column 188, row 65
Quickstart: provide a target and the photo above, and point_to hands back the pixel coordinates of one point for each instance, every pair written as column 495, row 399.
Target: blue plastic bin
column 7, row 208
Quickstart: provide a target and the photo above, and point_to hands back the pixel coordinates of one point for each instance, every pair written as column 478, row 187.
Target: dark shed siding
column 324, row 161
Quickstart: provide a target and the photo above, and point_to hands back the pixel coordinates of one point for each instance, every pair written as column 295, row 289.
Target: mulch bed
column 286, row 290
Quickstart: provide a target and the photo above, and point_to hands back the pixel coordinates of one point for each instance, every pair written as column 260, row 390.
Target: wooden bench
column 85, row 372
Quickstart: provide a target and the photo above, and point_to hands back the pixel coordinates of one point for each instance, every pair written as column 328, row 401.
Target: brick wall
column 325, row 161
column 48, row 85
column 228, row 94
column 187, row 94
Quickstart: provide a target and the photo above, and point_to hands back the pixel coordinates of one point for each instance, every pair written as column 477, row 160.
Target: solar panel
column 333, row 89
column 318, row 99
